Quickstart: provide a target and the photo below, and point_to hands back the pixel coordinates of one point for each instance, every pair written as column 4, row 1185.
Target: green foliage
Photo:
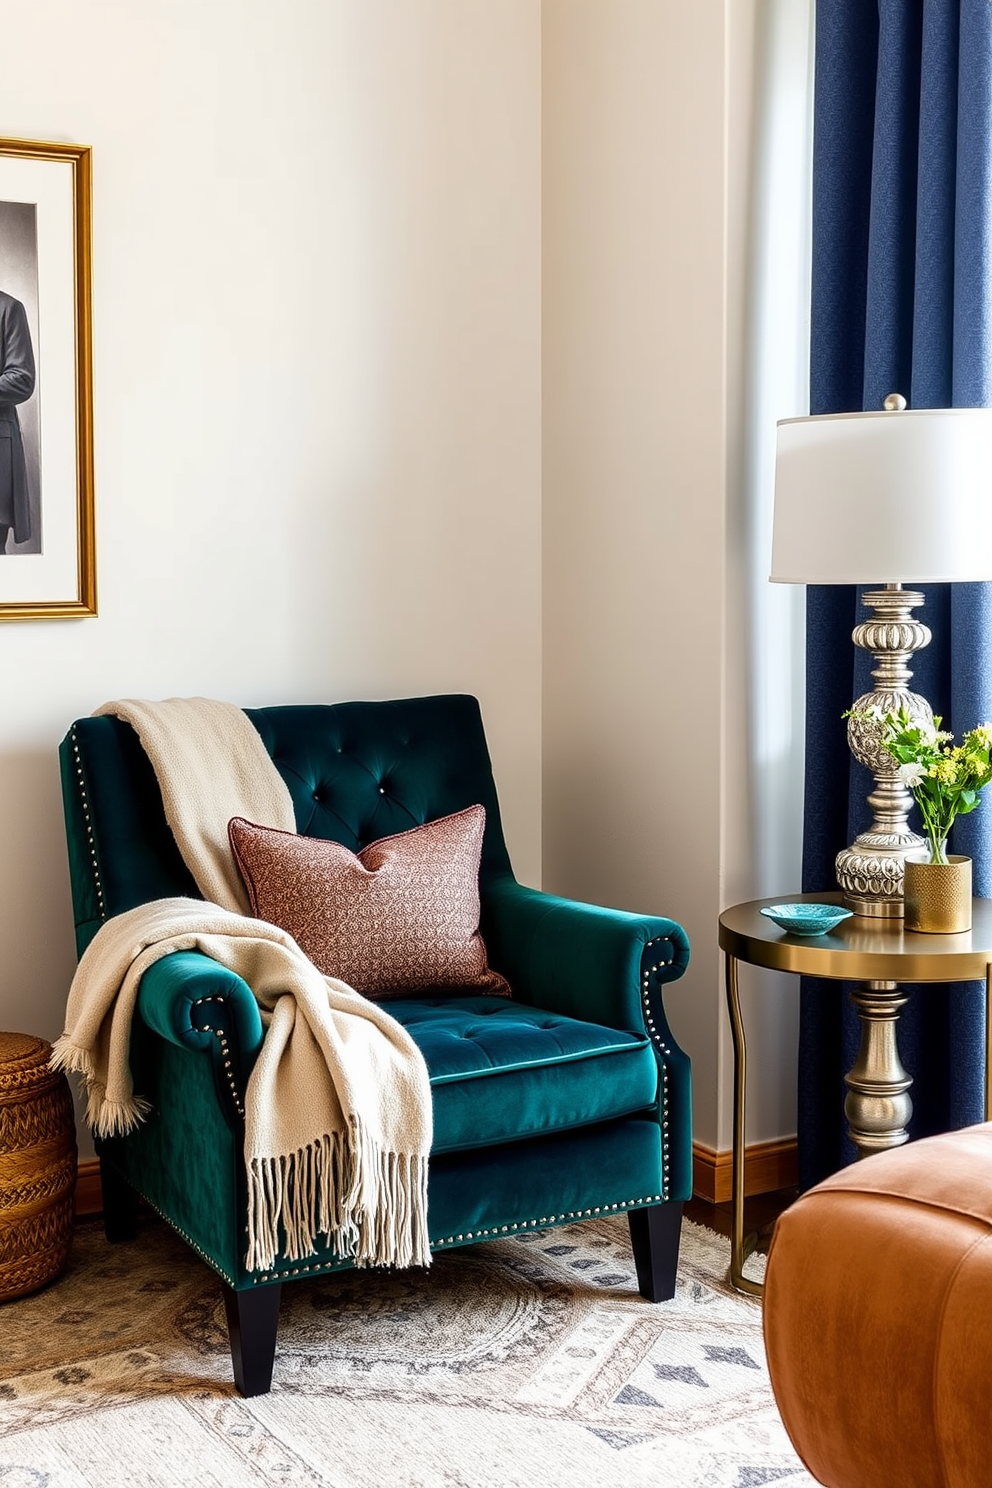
column 945, row 779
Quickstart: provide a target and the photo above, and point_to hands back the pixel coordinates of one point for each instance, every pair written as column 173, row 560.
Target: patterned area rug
column 527, row 1361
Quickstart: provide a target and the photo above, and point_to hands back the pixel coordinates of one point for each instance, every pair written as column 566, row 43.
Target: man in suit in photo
column 17, row 379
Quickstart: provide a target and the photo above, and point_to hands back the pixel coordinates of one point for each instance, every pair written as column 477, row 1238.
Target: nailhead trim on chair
column 648, row 973
column 225, row 1051
column 531, row 1224
column 89, row 826
column 190, row 1241
column 549, row 1219
column 468, row 1235
column 527, row 1224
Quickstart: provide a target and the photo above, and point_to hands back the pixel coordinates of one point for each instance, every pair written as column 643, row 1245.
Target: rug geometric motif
column 531, row 1360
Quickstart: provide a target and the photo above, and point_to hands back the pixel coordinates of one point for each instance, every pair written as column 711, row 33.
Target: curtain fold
column 901, row 302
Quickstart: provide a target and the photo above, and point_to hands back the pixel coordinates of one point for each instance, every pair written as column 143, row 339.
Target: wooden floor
column 760, row 1212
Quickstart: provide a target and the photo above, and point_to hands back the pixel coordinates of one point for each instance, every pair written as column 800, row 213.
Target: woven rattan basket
column 37, row 1166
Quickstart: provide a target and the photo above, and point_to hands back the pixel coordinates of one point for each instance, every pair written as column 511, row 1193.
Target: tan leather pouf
column 878, row 1318
column 37, row 1166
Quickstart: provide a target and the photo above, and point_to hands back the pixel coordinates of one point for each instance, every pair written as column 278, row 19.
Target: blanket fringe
column 369, row 1204
column 71, row 1058
column 105, row 1118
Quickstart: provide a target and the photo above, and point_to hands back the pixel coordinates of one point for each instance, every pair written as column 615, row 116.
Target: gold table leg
column 740, row 1247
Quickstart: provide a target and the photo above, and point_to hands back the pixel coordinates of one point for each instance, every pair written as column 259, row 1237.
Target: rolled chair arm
column 196, row 1003
column 601, row 965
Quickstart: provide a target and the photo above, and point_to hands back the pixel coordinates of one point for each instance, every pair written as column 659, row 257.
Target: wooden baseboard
column 89, row 1195
column 768, row 1166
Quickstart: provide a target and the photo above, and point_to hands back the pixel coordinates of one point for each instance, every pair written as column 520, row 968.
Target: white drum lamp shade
column 887, row 497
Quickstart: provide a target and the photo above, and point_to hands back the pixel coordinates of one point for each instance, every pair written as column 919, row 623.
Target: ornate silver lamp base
column 870, row 871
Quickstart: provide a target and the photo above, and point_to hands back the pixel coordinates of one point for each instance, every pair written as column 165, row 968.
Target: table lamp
column 884, row 498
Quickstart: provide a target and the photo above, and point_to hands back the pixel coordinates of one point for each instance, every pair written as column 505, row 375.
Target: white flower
column 912, row 774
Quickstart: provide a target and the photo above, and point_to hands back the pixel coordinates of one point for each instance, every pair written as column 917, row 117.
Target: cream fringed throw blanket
column 338, row 1107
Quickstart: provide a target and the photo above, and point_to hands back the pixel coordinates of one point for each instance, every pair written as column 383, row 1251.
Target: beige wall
column 634, row 473
column 651, row 681
column 318, row 370
column 769, row 149
column 317, row 379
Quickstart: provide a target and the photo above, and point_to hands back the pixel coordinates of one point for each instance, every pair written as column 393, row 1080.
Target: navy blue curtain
column 901, row 302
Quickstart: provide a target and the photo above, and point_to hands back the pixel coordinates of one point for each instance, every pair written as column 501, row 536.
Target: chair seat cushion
column 501, row 1070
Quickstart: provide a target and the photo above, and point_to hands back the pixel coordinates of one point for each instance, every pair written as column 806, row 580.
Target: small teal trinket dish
column 806, row 919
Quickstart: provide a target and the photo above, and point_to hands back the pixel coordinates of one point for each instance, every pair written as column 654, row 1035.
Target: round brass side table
column 879, row 954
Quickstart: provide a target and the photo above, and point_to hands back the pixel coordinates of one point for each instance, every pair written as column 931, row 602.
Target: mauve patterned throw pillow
column 400, row 916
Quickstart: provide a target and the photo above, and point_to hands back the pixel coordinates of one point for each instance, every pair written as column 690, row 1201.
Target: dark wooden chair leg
column 654, row 1237
column 120, row 1204
column 252, row 1322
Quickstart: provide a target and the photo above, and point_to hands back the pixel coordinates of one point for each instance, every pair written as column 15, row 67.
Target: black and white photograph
column 46, row 434
column 20, row 470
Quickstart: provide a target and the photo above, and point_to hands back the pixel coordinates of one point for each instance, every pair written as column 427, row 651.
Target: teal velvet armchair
column 569, row 1099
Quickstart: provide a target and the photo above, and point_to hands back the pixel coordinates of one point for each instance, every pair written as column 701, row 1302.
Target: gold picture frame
column 47, row 534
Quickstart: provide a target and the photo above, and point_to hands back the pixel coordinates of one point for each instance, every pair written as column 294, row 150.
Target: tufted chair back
column 356, row 772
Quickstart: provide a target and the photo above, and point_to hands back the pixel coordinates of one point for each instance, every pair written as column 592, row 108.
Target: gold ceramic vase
column 938, row 895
